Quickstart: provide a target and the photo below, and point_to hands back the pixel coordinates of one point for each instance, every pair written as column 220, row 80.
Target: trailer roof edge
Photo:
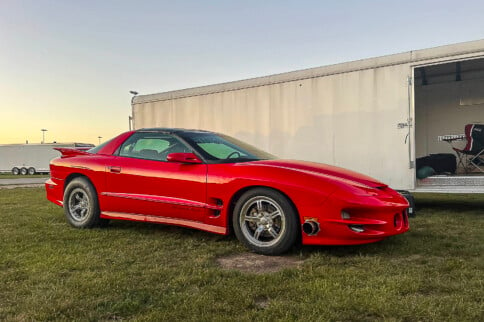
column 363, row 64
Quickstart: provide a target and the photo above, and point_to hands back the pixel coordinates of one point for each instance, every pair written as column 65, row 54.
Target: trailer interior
column 447, row 97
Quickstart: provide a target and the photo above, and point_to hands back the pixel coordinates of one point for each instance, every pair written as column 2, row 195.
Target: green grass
column 136, row 271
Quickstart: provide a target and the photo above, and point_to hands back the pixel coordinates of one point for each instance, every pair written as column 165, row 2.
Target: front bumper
column 367, row 219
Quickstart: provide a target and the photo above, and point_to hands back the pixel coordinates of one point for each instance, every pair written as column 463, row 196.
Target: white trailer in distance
column 23, row 159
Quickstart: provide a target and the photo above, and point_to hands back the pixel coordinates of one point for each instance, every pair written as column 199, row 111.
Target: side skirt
column 165, row 220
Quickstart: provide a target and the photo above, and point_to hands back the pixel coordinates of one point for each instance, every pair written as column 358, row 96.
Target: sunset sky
column 68, row 66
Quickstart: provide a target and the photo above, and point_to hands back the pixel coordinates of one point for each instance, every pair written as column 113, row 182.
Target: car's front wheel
column 265, row 221
column 81, row 206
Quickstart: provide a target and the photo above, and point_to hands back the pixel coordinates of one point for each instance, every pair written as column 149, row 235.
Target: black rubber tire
column 15, row 171
column 91, row 219
column 288, row 237
column 24, row 171
column 411, row 202
column 31, row 171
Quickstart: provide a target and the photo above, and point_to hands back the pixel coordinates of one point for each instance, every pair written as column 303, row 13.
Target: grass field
column 135, row 271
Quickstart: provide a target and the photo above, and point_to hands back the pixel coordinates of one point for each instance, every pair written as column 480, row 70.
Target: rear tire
column 265, row 221
column 31, row 171
column 81, row 206
column 15, row 171
column 23, row 171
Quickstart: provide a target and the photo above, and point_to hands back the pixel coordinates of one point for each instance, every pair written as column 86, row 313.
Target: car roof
column 172, row 130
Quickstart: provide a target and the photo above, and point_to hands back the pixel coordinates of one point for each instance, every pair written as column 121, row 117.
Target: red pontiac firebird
column 213, row 182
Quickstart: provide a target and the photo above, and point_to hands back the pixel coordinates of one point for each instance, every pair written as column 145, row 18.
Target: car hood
column 320, row 169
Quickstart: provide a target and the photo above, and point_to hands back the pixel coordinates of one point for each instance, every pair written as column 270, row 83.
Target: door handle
column 115, row 169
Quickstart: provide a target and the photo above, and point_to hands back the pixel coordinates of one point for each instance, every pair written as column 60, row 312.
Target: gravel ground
column 22, row 183
column 12, row 186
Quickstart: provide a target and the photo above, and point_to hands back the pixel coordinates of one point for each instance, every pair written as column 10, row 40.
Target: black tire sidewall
column 92, row 218
column 291, row 233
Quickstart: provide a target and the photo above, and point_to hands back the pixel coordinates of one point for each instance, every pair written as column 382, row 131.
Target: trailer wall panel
column 317, row 119
column 344, row 114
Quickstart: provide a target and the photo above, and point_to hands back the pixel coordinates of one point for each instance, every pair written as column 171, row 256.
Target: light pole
column 130, row 118
column 99, row 137
column 43, row 135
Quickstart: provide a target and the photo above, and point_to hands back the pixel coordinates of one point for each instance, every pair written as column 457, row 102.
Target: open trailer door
column 449, row 111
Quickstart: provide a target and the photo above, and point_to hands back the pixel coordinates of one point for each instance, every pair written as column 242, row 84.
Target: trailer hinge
column 412, row 164
column 409, row 80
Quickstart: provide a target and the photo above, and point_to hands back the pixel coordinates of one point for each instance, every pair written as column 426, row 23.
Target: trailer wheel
column 15, row 171
column 31, row 171
column 23, row 171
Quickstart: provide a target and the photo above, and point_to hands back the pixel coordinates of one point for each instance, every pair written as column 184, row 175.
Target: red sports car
column 213, row 182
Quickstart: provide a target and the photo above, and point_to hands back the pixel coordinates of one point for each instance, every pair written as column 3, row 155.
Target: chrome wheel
column 79, row 204
column 262, row 221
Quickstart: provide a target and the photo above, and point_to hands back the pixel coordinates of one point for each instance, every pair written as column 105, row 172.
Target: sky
column 68, row 66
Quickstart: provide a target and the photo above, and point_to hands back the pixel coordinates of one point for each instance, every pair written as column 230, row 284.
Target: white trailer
column 31, row 158
column 374, row 116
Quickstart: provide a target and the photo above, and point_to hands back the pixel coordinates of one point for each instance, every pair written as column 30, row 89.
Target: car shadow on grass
column 449, row 202
column 298, row 250
column 424, row 234
column 386, row 246
column 167, row 230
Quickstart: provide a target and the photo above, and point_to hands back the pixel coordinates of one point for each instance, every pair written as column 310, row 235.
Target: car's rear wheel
column 265, row 221
column 81, row 206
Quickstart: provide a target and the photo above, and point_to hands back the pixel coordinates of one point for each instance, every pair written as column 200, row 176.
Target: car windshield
column 219, row 148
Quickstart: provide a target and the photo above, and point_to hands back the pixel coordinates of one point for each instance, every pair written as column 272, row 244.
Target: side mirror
column 183, row 158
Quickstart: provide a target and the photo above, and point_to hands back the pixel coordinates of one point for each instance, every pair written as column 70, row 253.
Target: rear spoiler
column 71, row 152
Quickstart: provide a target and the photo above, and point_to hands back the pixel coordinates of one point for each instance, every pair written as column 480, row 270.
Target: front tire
column 265, row 221
column 81, row 206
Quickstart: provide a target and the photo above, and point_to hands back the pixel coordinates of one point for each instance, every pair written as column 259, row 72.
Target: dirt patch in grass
column 262, row 302
column 258, row 264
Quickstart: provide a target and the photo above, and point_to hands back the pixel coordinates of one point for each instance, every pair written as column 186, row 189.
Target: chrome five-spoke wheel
column 262, row 221
column 78, row 204
column 265, row 221
column 81, row 206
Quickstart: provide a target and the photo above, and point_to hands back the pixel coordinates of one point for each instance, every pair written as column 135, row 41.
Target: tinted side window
column 151, row 146
column 220, row 150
